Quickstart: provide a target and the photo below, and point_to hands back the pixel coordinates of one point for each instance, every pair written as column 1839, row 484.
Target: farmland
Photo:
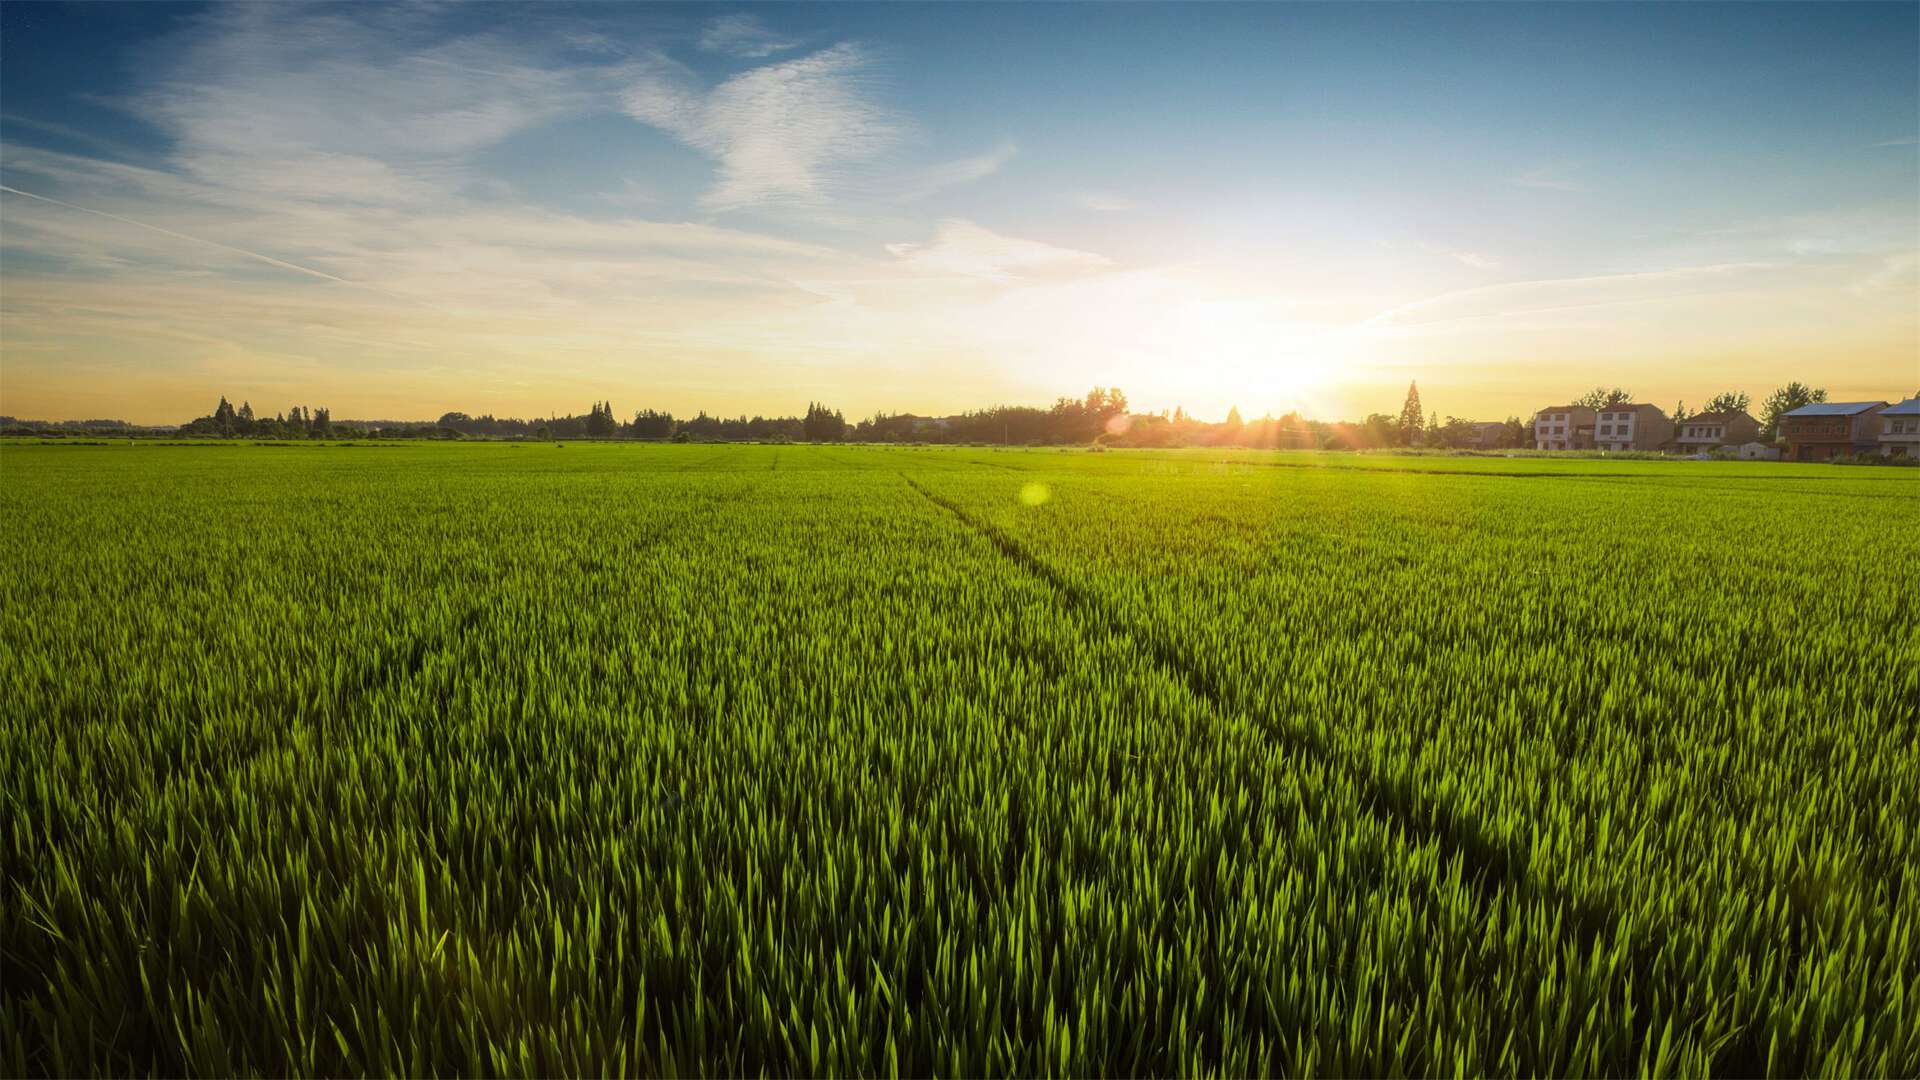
column 515, row 759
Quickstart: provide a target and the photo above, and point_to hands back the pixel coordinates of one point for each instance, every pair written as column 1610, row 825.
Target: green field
column 523, row 759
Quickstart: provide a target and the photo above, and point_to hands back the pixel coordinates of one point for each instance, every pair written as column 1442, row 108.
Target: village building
column 1488, row 435
column 1563, row 427
column 1900, row 428
column 1829, row 429
column 1707, row 431
column 1632, row 427
column 1759, row 451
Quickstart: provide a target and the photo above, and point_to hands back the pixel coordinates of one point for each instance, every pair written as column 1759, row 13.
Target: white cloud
column 1105, row 202
column 1547, row 178
column 1524, row 297
column 968, row 250
column 949, row 174
column 1896, row 274
column 743, row 36
column 1475, row 260
column 296, row 101
column 781, row 132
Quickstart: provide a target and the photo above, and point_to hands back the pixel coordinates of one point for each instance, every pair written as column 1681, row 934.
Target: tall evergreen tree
column 600, row 422
column 1409, row 427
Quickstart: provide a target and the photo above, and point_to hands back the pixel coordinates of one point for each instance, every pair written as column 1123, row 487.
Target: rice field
column 739, row 760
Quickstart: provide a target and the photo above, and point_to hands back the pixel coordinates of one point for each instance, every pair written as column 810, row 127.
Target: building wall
column 1735, row 432
column 1643, row 428
column 1573, row 432
column 1900, row 436
column 1817, row 438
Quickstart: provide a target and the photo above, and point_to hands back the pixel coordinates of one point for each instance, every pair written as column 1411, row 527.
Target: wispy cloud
column 781, row 132
column 1547, row 178
column 1555, row 294
column 743, row 36
column 230, row 249
column 1105, row 202
column 1905, row 140
column 1898, row 273
column 969, row 250
column 1476, row 260
column 949, row 174
column 363, row 107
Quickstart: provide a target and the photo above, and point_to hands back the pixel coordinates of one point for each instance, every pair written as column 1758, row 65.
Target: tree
column 600, row 422
column 1409, row 429
column 321, row 426
column 1515, row 433
column 1786, row 399
column 823, row 424
column 1731, row 401
column 1381, row 430
column 1602, row 398
column 648, row 424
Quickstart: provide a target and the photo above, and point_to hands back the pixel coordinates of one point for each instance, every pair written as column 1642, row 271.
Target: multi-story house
column 1711, row 430
column 1900, row 428
column 1632, row 427
column 1563, row 427
column 1831, row 428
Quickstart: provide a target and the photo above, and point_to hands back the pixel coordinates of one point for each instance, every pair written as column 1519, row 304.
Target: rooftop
column 1909, row 407
column 1714, row 418
column 1834, row 408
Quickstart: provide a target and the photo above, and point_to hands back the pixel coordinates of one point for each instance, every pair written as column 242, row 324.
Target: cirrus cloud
column 784, row 132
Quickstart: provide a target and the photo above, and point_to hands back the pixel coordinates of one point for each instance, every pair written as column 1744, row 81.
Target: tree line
column 1101, row 418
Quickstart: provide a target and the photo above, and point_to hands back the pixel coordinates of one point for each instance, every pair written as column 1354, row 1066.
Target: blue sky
column 400, row 210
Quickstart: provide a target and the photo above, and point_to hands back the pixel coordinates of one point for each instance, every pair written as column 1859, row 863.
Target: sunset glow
column 400, row 211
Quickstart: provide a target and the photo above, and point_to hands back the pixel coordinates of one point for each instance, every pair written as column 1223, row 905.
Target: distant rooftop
column 1834, row 408
column 1909, row 407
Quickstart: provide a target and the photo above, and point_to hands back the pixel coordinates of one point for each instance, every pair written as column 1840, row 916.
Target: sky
column 398, row 211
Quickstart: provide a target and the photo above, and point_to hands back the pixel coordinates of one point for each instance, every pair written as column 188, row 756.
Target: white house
column 1563, row 427
column 1632, row 427
column 1707, row 431
column 1900, row 431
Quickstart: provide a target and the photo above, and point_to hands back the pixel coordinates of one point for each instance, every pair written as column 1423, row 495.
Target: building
column 1900, row 428
column 1707, row 431
column 1759, row 451
column 1488, row 435
column 1563, row 427
column 1829, row 429
column 1632, row 427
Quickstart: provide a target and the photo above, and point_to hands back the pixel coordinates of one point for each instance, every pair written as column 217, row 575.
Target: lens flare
column 1035, row 493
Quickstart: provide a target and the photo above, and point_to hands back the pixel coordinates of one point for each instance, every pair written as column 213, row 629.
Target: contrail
column 268, row 259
